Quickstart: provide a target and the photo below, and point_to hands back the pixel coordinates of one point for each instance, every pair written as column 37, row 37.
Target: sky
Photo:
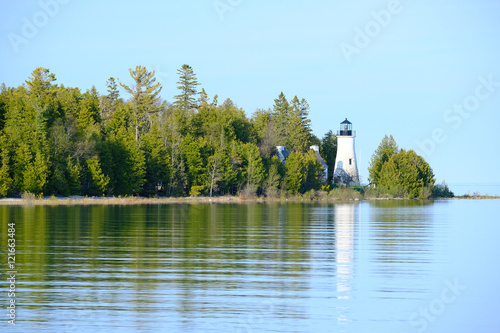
column 426, row 72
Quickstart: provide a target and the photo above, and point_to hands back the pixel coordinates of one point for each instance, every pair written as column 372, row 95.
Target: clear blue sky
column 401, row 75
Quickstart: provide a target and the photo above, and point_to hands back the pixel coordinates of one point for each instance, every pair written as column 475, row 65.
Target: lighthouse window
column 350, row 161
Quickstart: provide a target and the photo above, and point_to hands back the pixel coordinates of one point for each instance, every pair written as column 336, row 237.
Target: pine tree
column 145, row 96
column 298, row 126
column 40, row 81
column 110, row 101
column 280, row 117
column 291, row 123
column 187, row 83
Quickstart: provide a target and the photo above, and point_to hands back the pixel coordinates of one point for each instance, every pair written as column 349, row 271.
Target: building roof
column 346, row 121
column 320, row 159
column 282, row 153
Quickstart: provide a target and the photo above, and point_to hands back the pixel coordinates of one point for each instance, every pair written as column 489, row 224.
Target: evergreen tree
column 157, row 162
column 253, row 168
column 312, row 172
column 407, row 174
column 195, row 165
column 57, row 140
column 97, row 180
column 4, row 100
column 295, row 172
column 110, row 102
column 40, row 82
column 328, row 150
column 280, row 118
column 298, row 126
column 187, row 83
column 5, row 178
column 385, row 150
column 145, row 96
column 274, row 176
column 42, row 92
column 123, row 161
column 291, row 123
column 90, row 112
column 26, row 141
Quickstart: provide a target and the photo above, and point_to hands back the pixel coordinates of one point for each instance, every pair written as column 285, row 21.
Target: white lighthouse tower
column 346, row 168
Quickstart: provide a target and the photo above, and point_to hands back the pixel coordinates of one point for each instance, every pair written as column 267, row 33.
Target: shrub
column 442, row 191
column 28, row 196
column 249, row 191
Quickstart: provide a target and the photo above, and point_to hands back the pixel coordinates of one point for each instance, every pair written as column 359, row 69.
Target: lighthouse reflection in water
column 344, row 246
column 345, row 217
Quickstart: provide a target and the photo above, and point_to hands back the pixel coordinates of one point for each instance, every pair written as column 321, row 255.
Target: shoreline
column 87, row 201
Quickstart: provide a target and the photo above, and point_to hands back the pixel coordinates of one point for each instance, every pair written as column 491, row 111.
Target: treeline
column 56, row 140
column 403, row 173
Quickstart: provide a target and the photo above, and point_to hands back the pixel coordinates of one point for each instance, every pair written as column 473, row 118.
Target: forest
column 57, row 140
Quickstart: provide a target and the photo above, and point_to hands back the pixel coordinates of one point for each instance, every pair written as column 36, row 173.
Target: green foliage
column 408, row 174
column 98, row 181
column 145, row 99
column 110, row 102
column 4, row 95
column 291, row 125
column 35, row 174
column 40, row 81
column 385, row 150
column 127, row 163
column 296, row 171
column 263, row 131
column 195, row 165
column 274, row 175
column 157, row 162
column 442, row 191
column 400, row 173
column 60, row 141
column 328, row 150
column 187, row 83
column 253, row 168
column 5, row 179
column 298, row 126
column 344, row 194
column 313, row 170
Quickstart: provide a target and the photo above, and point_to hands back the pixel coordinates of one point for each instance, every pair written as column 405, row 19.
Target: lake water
column 385, row 266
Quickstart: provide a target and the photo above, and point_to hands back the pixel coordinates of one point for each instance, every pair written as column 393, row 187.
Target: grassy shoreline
column 78, row 200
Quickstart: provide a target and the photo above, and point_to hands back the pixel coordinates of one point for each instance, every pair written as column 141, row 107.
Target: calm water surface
column 388, row 266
